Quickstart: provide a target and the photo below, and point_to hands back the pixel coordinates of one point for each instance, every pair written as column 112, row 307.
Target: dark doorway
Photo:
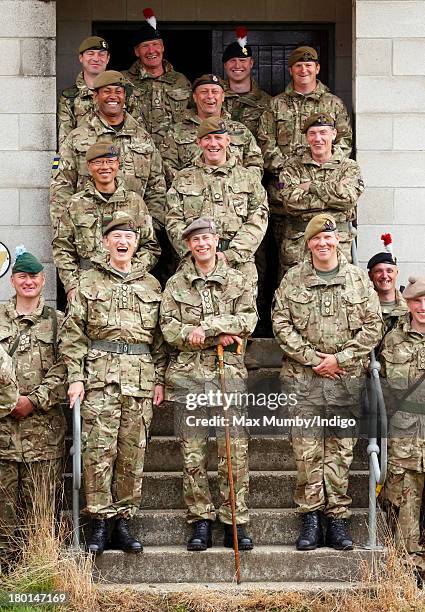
column 195, row 48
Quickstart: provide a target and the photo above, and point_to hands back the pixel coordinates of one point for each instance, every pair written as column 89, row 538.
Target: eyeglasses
column 108, row 161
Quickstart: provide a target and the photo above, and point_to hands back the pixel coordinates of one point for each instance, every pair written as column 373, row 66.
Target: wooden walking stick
column 220, row 355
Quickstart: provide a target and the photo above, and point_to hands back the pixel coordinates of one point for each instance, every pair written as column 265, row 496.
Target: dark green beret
column 203, row 225
column 319, row 119
column 383, row 257
column 207, row 79
column 319, row 223
column 303, row 54
column 109, row 77
column 212, row 125
column 235, row 50
column 120, row 221
column 26, row 262
column 102, row 149
column 93, row 42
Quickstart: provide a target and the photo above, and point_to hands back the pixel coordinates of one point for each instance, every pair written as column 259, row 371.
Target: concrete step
column 267, row 489
column 161, row 564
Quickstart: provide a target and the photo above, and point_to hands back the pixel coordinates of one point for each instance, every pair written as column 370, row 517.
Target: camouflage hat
column 102, row 149
column 120, row 221
column 319, row 223
column 303, row 54
column 203, row 225
column 415, row 288
column 207, row 79
column 95, row 43
column 212, row 125
column 319, row 119
column 109, row 77
column 379, row 258
column 26, row 262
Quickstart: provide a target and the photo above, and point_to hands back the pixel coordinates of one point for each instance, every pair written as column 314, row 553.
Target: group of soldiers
column 193, row 183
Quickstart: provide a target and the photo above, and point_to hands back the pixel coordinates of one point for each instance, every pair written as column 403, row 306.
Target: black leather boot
column 122, row 538
column 311, row 534
column 97, row 542
column 244, row 541
column 337, row 534
column 201, row 537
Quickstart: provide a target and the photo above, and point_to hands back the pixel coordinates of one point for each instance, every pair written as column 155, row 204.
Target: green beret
column 120, row 221
column 203, row 225
column 207, row 79
column 102, row 149
column 319, row 223
column 109, row 77
column 25, row 262
column 212, row 125
column 319, row 119
column 93, row 42
column 415, row 288
column 303, row 54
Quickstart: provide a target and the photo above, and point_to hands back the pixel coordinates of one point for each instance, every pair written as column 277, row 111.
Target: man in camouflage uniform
column 140, row 162
column 78, row 235
column 403, row 364
column 322, row 179
column 180, row 147
column 206, row 303
column 9, row 386
column 326, row 319
column 113, row 352
column 32, row 429
column 383, row 273
column 244, row 100
column 162, row 93
column 217, row 186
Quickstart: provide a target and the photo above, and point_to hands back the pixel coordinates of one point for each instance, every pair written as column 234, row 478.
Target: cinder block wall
column 27, row 128
column 389, row 93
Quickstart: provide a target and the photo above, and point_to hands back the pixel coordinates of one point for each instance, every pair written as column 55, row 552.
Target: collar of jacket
column 405, row 322
column 119, row 195
column 335, row 160
column 225, row 168
column 34, row 316
column 311, row 279
column 190, row 115
column 129, row 128
column 167, row 76
column 218, row 275
column 83, row 89
column 102, row 262
column 314, row 95
column 254, row 93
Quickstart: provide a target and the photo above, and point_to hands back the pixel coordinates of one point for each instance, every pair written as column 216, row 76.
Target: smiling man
column 383, row 273
column 326, row 319
column 181, row 148
column 322, row 179
column 116, row 362
column 220, row 187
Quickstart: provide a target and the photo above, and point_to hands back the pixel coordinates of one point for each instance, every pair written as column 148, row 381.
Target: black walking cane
column 220, row 355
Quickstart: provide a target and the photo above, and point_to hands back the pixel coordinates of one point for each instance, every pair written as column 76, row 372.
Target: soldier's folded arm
column 175, row 332
column 75, row 343
column 342, row 192
column 155, row 191
column 368, row 334
column 65, row 253
column 240, row 324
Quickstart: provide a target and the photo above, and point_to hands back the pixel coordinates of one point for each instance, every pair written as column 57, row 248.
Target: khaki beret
column 109, row 77
column 212, row 125
column 102, row 149
column 95, row 43
column 303, row 54
column 319, row 223
column 415, row 288
column 203, row 225
column 207, row 79
column 120, row 221
column 319, row 119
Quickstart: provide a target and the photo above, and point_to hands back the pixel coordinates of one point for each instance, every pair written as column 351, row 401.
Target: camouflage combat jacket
column 403, row 362
column 114, row 308
column 335, row 187
column 78, row 235
column 223, row 302
column 341, row 316
column 248, row 107
column 140, row 164
column 231, row 195
column 76, row 104
column 8, row 384
column 161, row 100
column 41, row 377
column 396, row 310
column 279, row 132
column 180, row 149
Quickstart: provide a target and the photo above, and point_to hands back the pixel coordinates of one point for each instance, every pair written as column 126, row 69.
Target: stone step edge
column 260, row 549
column 213, row 473
column 141, row 513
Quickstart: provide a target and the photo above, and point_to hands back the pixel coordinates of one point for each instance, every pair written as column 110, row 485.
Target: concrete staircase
column 274, row 526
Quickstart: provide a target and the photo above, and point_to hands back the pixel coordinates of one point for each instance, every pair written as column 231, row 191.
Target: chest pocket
column 284, row 129
column 193, row 201
column 237, row 143
column 239, row 195
column 85, row 234
column 355, row 306
column 398, row 361
column 138, row 160
column 178, row 99
column 302, row 306
column 148, row 307
column 99, row 306
column 45, row 348
column 188, row 149
column 190, row 305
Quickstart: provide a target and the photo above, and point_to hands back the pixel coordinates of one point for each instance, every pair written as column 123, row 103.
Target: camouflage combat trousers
column 29, row 491
column 403, row 495
column 113, row 442
column 194, row 449
column 323, row 458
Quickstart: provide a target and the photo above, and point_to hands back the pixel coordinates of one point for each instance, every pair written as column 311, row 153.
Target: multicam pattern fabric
column 9, row 385
column 248, row 107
